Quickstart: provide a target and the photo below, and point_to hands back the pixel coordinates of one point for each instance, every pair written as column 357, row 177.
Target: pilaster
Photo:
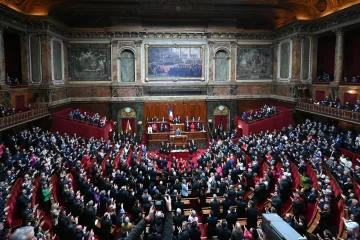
column 275, row 60
column 296, row 58
column 233, row 61
column 138, row 66
column 45, row 42
column 2, row 58
column 314, row 56
column 339, row 55
column 25, row 63
column 211, row 62
column 114, row 60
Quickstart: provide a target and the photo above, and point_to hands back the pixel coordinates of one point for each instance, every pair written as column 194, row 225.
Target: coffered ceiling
column 242, row 14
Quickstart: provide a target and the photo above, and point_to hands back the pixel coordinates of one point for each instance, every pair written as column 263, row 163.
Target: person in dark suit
column 276, row 201
column 226, row 204
column 106, row 224
column 298, row 206
column 231, row 218
column 211, row 228
column 195, row 232
column 222, row 231
column 179, row 204
column 184, row 232
column 215, row 206
column 325, row 219
column 179, row 218
column 240, row 207
column 251, row 215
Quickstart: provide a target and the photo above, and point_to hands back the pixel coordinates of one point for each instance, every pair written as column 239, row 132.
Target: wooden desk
column 165, row 137
column 160, row 137
column 178, row 138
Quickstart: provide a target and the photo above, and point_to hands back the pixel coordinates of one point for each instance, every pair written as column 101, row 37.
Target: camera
column 159, row 205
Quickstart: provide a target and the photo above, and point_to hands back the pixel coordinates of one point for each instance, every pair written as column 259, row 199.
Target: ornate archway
column 222, row 116
column 127, row 120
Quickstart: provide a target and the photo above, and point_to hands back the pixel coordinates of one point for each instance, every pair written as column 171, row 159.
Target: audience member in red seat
column 298, row 206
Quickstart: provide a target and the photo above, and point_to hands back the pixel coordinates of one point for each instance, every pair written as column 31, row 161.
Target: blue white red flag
column 170, row 115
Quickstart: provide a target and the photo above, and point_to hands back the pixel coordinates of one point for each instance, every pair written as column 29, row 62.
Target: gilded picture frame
column 174, row 62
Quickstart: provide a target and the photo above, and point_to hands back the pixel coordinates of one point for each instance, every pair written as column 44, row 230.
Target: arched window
column 127, row 66
column 221, row 66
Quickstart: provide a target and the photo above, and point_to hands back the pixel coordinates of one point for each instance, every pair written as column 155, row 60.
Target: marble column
column 314, row 56
column 339, row 55
column 2, row 58
column 25, row 63
column 114, row 60
column 138, row 61
column 46, row 68
column 233, row 62
column 211, row 62
column 275, row 60
column 296, row 58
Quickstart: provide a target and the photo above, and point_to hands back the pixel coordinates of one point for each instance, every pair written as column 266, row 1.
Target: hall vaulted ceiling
column 242, row 14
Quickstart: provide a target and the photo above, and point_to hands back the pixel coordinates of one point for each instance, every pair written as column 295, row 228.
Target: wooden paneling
column 160, row 109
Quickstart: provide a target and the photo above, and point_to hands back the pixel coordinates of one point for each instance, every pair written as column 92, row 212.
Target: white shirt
column 192, row 219
column 353, row 227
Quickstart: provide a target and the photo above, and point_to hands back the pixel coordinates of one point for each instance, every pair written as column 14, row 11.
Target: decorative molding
column 210, row 90
column 233, row 90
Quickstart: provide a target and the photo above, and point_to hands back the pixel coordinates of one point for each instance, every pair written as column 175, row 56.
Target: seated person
column 161, row 127
column 250, row 118
column 71, row 115
column 154, row 127
column 198, row 127
column 192, row 127
column 178, row 132
column 149, row 130
column 29, row 107
column 166, row 128
column 243, row 116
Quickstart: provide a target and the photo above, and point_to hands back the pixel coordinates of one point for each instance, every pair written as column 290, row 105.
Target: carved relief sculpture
column 254, row 62
column 89, row 62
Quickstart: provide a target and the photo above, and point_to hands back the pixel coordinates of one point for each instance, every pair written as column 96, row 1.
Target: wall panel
column 160, row 109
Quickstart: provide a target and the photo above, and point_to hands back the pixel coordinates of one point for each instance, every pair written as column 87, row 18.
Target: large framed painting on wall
column 254, row 62
column 174, row 62
column 89, row 62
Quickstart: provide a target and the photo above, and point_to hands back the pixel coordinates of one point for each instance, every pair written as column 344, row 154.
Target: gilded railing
column 334, row 112
column 22, row 117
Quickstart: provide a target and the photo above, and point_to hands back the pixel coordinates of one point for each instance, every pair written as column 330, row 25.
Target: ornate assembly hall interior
column 179, row 119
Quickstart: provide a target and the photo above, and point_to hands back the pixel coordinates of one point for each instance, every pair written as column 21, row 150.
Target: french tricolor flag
column 170, row 115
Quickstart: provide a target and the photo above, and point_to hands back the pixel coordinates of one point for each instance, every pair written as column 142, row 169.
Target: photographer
column 167, row 232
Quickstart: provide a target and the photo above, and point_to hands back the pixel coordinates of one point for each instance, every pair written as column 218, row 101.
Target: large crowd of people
column 117, row 186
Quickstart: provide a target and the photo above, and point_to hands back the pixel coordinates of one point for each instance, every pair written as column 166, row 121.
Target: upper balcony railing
column 23, row 117
column 329, row 111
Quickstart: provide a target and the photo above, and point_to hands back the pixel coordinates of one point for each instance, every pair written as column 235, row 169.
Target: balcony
column 340, row 114
column 23, row 117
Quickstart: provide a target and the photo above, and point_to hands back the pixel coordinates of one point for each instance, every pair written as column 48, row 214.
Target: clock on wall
column 127, row 110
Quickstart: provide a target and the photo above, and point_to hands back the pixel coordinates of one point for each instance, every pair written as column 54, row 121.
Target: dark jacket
column 140, row 227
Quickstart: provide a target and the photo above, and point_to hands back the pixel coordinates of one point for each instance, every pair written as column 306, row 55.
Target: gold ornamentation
column 127, row 112
column 221, row 110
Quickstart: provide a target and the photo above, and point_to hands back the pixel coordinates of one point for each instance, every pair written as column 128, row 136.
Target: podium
column 178, row 140
column 173, row 127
